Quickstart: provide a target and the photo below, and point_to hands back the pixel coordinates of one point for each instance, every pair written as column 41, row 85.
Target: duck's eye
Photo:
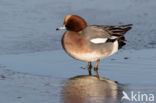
column 67, row 26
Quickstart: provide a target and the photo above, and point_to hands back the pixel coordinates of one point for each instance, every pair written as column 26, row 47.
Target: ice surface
column 22, row 88
column 32, row 66
column 29, row 25
column 138, row 68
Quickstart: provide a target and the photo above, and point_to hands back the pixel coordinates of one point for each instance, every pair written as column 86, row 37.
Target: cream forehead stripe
column 67, row 18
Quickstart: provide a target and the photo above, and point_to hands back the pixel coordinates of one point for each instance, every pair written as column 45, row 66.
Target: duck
column 91, row 43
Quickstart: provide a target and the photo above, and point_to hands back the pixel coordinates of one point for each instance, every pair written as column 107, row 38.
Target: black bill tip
column 57, row 29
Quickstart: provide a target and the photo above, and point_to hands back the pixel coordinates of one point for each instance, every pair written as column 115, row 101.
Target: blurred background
column 28, row 26
column 35, row 69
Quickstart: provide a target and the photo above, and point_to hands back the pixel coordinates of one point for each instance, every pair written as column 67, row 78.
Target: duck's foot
column 89, row 66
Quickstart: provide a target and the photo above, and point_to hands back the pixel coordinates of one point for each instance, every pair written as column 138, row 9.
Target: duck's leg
column 96, row 68
column 89, row 66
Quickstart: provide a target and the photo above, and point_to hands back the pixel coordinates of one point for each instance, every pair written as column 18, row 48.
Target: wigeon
column 91, row 43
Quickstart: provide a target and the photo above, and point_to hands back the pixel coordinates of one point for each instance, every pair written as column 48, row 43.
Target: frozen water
column 29, row 25
column 32, row 66
column 139, row 68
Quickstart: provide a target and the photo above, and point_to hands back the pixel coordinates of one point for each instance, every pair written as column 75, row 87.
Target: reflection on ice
column 89, row 89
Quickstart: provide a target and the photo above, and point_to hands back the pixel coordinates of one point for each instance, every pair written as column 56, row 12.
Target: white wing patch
column 113, row 37
column 98, row 40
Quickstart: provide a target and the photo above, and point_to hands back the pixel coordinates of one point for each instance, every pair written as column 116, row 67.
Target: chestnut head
column 73, row 23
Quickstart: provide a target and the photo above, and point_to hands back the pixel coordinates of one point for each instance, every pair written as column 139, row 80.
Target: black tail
column 122, row 42
column 121, row 39
column 120, row 30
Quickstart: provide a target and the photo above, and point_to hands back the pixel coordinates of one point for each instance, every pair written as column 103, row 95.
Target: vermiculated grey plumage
column 111, row 32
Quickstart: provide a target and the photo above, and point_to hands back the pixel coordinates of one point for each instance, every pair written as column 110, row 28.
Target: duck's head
column 73, row 23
